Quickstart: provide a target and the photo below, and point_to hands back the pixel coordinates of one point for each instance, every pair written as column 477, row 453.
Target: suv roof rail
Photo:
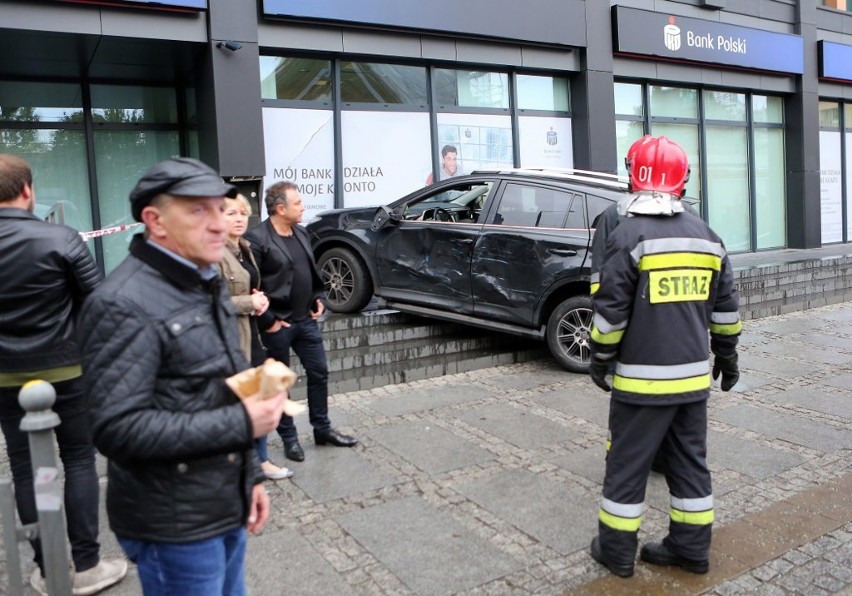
column 599, row 178
column 589, row 173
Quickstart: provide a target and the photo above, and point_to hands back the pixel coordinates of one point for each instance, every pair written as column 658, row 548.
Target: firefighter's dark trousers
column 636, row 432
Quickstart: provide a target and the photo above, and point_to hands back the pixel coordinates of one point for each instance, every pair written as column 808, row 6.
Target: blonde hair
column 242, row 200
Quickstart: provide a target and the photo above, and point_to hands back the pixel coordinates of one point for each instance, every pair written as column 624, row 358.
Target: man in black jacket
column 283, row 253
column 47, row 272
column 159, row 338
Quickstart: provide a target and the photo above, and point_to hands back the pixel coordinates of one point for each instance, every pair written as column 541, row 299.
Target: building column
column 228, row 92
column 593, row 100
column 802, row 141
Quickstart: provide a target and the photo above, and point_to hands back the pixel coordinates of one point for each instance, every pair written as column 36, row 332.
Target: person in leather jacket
column 47, row 273
column 159, row 339
column 282, row 250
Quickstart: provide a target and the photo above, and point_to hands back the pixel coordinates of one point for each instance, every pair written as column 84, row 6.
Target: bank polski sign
column 641, row 32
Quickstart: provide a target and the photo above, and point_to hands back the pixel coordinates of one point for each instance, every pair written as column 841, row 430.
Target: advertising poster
column 300, row 148
column 385, row 156
column 831, row 189
column 545, row 142
column 483, row 142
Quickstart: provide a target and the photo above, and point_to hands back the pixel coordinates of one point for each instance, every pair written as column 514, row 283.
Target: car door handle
column 562, row 252
column 465, row 241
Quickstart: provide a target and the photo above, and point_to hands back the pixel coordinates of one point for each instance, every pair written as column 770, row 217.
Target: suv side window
column 596, row 206
column 533, row 206
column 460, row 202
column 576, row 217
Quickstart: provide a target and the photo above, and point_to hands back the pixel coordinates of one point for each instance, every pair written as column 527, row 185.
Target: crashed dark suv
column 507, row 250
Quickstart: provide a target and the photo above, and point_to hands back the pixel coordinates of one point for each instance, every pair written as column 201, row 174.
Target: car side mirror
column 382, row 217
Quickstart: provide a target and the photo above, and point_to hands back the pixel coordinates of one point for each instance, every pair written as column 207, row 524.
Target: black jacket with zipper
column 276, row 270
column 47, row 272
column 158, row 343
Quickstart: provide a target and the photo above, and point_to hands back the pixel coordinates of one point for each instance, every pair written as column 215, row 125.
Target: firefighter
column 664, row 281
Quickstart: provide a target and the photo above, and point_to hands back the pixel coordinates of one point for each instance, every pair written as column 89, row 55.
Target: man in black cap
column 47, row 273
column 159, row 337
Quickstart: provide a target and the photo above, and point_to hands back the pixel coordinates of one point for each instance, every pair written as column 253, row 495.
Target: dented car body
column 506, row 250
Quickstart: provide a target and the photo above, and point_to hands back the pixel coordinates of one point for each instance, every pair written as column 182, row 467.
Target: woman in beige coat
column 241, row 274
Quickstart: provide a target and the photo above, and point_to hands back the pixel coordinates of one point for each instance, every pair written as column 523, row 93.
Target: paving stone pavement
column 488, row 482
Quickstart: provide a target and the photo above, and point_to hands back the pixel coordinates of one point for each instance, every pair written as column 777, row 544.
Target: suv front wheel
column 568, row 331
column 346, row 280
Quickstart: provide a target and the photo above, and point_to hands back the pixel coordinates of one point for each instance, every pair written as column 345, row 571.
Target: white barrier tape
column 107, row 231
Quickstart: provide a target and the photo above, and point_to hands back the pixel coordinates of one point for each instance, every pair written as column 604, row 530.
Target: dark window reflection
column 300, row 79
column 362, row 82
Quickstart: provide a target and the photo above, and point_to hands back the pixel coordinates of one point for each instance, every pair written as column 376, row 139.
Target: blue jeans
column 202, row 568
column 74, row 439
column 305, row 338
column 260, row 447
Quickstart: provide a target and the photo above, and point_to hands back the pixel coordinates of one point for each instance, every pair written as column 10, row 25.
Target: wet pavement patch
column 545, row 509
column 425, row 546
column 748, row 457
column 429, row 398
column 793, row 429
column 521, row 429
column 430, row 448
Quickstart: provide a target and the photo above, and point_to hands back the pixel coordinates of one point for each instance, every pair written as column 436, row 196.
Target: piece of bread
column 275, row 377
column 271, row 378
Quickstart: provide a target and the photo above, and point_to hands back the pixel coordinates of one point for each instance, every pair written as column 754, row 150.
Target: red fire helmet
column 657, row 164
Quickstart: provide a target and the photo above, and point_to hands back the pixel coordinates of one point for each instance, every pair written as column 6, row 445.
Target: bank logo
column 552, row 139
column 671, row 35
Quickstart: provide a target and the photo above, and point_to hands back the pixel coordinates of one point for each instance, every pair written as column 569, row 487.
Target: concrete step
column 397, row 348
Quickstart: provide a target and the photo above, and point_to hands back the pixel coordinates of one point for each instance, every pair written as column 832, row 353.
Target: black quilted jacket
column 157, row 344
column 45, row 273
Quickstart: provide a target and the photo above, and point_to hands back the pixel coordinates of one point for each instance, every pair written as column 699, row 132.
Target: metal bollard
column 36, row 398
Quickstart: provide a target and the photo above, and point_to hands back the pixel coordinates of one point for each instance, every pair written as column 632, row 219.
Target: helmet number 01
column 646, row 172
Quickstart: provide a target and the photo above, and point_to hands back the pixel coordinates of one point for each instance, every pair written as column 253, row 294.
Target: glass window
column 60, row 175
column 727, row 185
column 770, row 190
column 482, row 141
column 596, row 206
column 302, row 79
column 542, row 93
column 768, row 109
column 122, row 104
column 41, row 102
column 837, row 4
column 385, row 155
column 471, row 88
column 685, row 135
column 627, row 132
column 723, row 105
column 121, row 157
column 628, row 99
column 673, row 102
column 829, row 114
column 545, row 142
column 362, row 82
column 847, row 112
column 533, row 206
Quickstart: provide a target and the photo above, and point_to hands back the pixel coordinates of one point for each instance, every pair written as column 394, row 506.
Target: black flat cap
column 179, row 176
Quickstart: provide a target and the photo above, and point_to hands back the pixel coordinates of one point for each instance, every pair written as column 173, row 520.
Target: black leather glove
column 598, row 370
column 727, row 366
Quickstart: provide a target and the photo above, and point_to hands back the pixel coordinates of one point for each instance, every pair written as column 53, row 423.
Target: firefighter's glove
column 727, row 367
column 598, row 370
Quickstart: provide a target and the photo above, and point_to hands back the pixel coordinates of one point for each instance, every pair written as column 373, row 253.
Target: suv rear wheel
column 346, row 280
column 568, row 331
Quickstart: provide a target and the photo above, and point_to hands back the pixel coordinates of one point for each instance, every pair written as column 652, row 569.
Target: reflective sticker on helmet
column 679, row 285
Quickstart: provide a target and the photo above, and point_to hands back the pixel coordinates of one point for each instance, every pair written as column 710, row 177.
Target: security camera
column 232, row 46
